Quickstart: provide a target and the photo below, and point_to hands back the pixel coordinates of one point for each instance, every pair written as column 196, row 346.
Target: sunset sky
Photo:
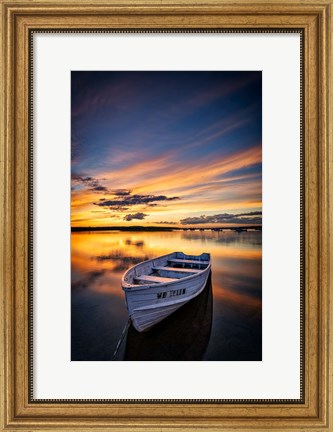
column 177, row 149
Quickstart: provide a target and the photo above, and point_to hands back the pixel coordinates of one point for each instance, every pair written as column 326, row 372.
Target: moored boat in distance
column 156, row 288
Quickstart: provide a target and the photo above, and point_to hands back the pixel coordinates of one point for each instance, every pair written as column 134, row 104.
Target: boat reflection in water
column 184, row 335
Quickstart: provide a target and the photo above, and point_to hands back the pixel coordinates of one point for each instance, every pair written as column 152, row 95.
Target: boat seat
column 185, row 261
column 180, row 270
column 154, row 279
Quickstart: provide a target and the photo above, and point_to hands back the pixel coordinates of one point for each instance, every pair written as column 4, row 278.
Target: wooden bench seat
column 174, row 269
column 153, row 279
column 184, row 261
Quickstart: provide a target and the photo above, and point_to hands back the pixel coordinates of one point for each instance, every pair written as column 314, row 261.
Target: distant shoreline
column 157, row 228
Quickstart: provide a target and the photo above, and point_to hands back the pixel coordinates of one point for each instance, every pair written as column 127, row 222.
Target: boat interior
column 170, row 268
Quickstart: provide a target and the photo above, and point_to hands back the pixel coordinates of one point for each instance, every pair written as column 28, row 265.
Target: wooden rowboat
column 156, row 288
column 184, row 335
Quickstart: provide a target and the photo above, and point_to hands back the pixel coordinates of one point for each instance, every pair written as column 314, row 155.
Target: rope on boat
column 121, row 338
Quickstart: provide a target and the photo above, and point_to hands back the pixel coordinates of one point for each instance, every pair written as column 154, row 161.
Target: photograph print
column 166, row 215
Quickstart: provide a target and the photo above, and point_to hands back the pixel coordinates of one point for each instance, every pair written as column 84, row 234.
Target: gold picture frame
column 314, row 412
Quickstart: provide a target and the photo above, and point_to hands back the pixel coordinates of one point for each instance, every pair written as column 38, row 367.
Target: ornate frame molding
column 19, row 19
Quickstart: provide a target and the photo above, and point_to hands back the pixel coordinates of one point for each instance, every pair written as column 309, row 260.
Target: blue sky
column 166, row 147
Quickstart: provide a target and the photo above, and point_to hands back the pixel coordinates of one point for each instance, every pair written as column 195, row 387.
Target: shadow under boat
column 184, row 335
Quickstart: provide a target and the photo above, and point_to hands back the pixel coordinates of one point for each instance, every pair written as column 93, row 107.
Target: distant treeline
column 122, row 228
column 158, row 228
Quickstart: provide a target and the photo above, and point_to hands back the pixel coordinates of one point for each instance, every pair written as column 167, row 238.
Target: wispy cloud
column 200, row 99
column 181, row 173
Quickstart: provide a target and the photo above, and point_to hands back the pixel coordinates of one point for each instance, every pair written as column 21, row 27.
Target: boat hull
column 184, row 335
column 145, row 318
column 148, row 305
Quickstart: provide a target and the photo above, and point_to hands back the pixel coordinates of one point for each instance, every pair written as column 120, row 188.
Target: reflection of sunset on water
column 99, row 259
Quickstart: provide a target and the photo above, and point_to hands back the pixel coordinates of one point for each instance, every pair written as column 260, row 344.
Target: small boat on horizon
column 156, row 288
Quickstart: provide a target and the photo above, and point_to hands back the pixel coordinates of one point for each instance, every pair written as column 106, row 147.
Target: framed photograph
column 133, row 210
column 166, row 216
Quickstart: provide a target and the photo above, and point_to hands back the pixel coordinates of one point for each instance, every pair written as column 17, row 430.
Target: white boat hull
column 182, row 336
column 150, row 303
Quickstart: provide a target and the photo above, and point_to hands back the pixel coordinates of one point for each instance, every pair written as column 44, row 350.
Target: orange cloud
column 198, row 185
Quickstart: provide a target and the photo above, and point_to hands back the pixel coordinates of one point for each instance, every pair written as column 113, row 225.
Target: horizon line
column 115, row 227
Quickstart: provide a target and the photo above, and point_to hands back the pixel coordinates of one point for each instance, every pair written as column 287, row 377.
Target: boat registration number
column 171, row 293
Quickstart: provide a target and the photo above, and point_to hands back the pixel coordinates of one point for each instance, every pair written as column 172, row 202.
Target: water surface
column 223, row 323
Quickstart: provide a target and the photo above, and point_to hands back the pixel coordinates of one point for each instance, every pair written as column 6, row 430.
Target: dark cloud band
column 241, row 218
column 92, row 183
column 132, row 200
column 139, row 216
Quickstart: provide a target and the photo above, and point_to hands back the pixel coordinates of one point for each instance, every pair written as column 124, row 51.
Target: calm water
column 223, row 323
